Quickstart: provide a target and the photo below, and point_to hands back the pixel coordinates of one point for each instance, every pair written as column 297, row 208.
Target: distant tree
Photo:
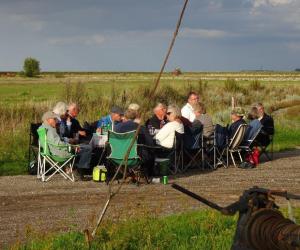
column 31, row 67
column 297, row 69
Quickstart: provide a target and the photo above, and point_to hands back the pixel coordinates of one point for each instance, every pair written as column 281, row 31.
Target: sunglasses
column 168, row 113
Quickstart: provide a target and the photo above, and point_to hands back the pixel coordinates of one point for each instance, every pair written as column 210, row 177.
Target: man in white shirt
column 187, row 111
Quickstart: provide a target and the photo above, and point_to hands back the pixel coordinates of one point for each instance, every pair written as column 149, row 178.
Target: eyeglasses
column 168, row 113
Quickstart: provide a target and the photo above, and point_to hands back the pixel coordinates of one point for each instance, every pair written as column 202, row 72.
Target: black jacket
column 155, row 122
column 234, row 126
column 144, row 136
column 268, row 124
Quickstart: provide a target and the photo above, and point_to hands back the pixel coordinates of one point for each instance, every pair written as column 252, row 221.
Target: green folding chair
column 119, row 144
column 57, row 163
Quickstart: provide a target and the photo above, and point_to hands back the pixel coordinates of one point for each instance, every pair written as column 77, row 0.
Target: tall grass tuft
column 232, row 85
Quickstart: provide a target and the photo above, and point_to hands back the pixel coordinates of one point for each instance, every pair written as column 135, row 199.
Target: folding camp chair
column 194, row 152
column 119, row 144
column 233, row 144
column 57, row 163
column 33, row 148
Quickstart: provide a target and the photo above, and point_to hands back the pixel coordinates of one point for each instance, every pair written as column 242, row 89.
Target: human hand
column 82, row 133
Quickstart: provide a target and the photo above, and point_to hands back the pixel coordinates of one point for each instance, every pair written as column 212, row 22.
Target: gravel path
column 27, row 205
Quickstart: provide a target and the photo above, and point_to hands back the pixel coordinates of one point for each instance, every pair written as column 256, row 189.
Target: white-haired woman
column 166, row 135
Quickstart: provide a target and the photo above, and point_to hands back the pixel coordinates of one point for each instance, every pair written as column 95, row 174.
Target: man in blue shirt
column 115, row 117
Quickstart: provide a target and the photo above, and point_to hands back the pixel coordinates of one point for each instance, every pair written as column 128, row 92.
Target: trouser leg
column 85, row 155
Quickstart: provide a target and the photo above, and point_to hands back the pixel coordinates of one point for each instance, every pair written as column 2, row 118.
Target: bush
column 31, row 67
column 232, row 85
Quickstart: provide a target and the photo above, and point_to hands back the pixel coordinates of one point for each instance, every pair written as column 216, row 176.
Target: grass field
column 23, row 100
column 204, row 229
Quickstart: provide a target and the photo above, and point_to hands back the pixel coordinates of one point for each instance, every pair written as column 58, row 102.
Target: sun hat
column 239, row 111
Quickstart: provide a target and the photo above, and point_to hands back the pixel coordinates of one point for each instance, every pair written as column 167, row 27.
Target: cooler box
column 162, row 165
column 99, row 173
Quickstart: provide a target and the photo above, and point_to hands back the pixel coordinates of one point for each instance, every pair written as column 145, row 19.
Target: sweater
column 166, row 136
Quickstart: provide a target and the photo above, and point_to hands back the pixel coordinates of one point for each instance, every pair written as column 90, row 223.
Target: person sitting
column 226, row 133
column 204, row 119
column 237, row 115
column 159, row 119
column 50, row 120
column 267, row 123
column 254, row 124
column 73, row 126
column 129, row 124
column 166, row 135
column 135, row 107
column 187, row 111
column 63, row 125
column 144, row 138
column 115, row 117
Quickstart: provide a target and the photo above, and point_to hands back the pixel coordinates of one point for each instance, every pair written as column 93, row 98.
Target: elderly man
column 50, row 120
column 222, row 133
column 74, row 126
column 115, row 117
column 267, row 123
column 187, row 111
column 159, row 119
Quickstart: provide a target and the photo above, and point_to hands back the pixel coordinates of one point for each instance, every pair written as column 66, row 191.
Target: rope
column 112, row 193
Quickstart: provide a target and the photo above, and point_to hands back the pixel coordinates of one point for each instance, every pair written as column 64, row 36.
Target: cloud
column 204, row 33
column 27, row 21
column 295, row 46
column 259, row 3
column 78, row 40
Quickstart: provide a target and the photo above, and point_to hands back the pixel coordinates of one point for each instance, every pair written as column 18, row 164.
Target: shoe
column 78, row 175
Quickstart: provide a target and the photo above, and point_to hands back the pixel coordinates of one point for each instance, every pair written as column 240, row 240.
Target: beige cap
column 239, row 111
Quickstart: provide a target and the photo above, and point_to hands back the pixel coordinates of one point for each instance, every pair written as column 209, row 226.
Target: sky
column 133, row 35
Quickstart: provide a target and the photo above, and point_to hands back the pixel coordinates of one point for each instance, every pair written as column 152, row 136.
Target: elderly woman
column 166, row 135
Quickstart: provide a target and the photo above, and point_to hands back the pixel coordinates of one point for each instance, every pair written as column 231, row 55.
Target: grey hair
column 134, row 106
column 175, row 110
column 60, row 108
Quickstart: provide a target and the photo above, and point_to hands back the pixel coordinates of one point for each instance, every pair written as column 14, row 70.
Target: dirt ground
column 27, row 205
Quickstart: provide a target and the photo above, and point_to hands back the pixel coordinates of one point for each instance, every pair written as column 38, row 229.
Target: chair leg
column 231, row 154
column 227, row 157
column 240, row 156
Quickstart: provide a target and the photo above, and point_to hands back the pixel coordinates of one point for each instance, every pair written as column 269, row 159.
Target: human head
column 260, row 109
column 60, row 109
column 160, row 110
column 73, row 109
column 50, row 118
column 136, row 108
column 237, row 113
column 116, row 113
column 199, row 108
column 192, row 98
column 173, row 113
column 130, row 114
column 253, row 114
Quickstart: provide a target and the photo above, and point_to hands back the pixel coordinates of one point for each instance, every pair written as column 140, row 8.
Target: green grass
column 194, row 230
column 204, row 229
